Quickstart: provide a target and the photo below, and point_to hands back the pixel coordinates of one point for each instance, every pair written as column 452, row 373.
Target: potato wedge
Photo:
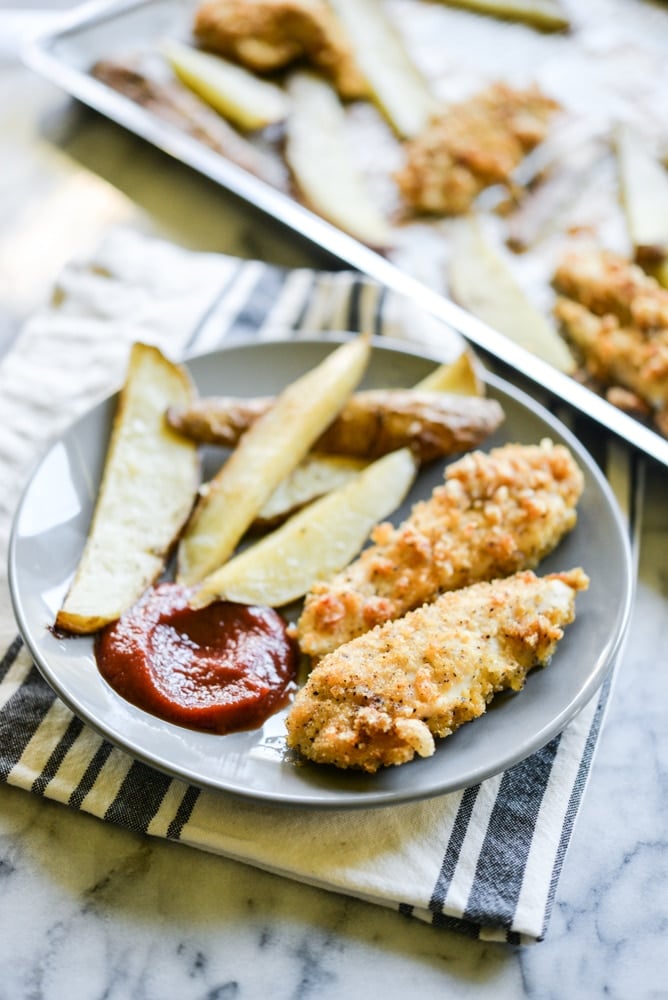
column 316, row 542
column 316, row 151
column 460, row 377
column 176, row 104
column 431, row 424
column 271, row 449
column 644, row 189
column 660, row 272
column 548, row 15
column 241, row 97
column 397, row 87
column 148, row 487
column 314, row 476
column 319, row 474
column 372, row 423
column 481, row 282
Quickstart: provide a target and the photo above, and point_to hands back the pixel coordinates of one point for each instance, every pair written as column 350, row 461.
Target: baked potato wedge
column 319, row 473
column 461, row 377
column 271, row 448
column 176, row 104
column 324, row 170
column 547, row 15
column 481, row 281
column 239, row 96
column 316, row 542
column 396, row 85
column 644, row 189
column 148, row 487
column 315, row 475
column 372, row 423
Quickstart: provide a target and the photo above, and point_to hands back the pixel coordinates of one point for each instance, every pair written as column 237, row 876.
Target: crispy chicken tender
column 267, row 35
column 495, row 514
column 617, row 318
column 382, row 698
column 472, row 145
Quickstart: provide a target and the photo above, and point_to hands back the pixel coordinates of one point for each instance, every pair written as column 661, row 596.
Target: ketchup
column 221, row 668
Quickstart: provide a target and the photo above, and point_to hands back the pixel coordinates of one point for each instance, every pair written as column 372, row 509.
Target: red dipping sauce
column 221, row 668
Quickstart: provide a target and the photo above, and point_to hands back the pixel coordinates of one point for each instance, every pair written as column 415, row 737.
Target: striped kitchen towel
column 484, row 860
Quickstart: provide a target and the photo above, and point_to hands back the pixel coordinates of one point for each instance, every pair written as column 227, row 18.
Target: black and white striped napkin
column 485, row 860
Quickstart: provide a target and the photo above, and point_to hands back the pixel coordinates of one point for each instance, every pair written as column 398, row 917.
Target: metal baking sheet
column 609, row 68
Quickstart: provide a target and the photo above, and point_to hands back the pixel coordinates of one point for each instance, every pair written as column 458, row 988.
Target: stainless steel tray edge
column 39, row 56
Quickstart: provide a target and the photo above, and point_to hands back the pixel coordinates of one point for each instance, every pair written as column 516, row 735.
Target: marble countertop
column 88, row 910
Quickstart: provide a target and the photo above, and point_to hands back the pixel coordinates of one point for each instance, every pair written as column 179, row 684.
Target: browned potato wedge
column 431, row 424
column 316, row 542
column 372, row 423
column 314, row 476
column 176, row 104
column 147, row 491
column 265, row 455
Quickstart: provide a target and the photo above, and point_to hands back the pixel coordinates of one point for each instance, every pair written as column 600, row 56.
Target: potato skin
column 372, row 423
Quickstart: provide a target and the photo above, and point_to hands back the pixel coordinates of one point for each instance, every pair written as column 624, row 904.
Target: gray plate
column 107, row 27
column 50, row 529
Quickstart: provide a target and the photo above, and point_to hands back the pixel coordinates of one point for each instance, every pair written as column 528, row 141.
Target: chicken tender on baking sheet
column 496, row 513
column 267, row 35
column 472, row 145
column 616, row 316
column 382, row 698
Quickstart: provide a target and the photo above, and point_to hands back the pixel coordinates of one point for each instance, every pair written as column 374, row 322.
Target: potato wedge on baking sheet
column 243, row 98
column 148, row 487
column 644, row 189
column 265, row 455
column 174, row 103
column 316, row 542
column 315, row 475
column 325, row 172
column 548, row 15
column 372, row 423
column 481, row 281
column 396, row 85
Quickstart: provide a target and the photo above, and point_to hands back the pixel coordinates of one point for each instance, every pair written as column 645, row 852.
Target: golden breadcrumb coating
column 617, row 318
column 495, row 514
column 472, row 145
column 267, row 35
column 382, row 698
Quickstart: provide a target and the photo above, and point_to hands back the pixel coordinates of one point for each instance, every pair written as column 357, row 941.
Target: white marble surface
column 88, row 910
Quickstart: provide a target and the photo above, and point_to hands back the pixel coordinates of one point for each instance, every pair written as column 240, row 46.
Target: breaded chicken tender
column 616, row 316
column 472, row 145
column 495, row 514
column 382, row 698
column 267, row 35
